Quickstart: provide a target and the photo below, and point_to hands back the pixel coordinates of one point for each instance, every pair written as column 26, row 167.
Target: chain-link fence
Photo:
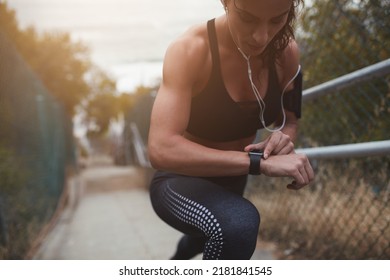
column 36, row 146
column 345, row 213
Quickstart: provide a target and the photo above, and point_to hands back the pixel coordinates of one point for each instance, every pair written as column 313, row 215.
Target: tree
column 101, row 106
column 139, row 113
column 337, row 38
column 60, row 63
column 100, row 111
column 106, row 106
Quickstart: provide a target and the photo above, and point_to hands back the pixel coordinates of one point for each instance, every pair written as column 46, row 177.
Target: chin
column 253, row 51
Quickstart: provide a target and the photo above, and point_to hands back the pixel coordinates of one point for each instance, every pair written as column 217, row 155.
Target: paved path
column 109, row 216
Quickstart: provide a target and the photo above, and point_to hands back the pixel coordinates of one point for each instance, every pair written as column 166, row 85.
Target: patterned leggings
column 211, row 212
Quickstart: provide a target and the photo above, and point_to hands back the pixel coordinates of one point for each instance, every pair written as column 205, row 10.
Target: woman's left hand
column 277, row 143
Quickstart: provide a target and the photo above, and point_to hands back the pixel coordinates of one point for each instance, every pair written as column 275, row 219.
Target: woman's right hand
column 277, row 143
column 295, row 166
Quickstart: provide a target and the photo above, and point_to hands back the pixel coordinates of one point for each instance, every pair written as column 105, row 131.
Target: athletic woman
column 223, row 81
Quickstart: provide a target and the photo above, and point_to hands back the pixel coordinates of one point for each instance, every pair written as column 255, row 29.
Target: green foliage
column 101, row 105
column 105, row 106
column 342, row 36
column 12, row 176
column 339, row 37
column 35, row 134
column 141, row 111
column 100, row 111
column 60, row 63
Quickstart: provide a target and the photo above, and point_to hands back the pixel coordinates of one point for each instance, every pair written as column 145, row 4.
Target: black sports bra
column 217, row 117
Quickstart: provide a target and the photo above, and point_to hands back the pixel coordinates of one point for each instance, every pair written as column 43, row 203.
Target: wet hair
column 281, row 40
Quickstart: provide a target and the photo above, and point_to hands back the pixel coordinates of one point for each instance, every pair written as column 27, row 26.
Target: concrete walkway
column 109, row 216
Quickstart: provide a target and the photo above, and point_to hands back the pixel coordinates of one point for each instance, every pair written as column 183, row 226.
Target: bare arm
column 168, row 148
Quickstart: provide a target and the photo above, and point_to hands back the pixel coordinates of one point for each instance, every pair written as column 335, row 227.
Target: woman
column 222, row 81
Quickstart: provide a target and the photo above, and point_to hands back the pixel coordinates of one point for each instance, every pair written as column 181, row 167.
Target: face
column 254, row 23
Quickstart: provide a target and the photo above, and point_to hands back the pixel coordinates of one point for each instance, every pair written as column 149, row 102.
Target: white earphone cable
column 255, row 90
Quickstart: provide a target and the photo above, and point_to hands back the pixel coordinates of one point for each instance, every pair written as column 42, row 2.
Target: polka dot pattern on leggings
column 199, row 216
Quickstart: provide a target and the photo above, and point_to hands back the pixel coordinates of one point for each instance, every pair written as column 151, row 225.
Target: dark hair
column 281, row 40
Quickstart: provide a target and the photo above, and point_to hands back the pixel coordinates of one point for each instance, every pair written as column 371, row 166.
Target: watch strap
column 254, row 162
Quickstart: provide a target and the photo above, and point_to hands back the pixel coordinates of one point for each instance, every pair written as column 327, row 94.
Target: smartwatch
column 255, row 158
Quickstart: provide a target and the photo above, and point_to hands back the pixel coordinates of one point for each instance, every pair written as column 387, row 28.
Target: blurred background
column 77, row 83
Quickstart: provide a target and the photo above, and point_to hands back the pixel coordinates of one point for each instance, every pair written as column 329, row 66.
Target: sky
column 127, row 38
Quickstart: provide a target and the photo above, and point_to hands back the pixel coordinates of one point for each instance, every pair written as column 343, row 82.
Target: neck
column 228, row 39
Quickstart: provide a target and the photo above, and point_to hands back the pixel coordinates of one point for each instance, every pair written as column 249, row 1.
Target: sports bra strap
column 213, row 44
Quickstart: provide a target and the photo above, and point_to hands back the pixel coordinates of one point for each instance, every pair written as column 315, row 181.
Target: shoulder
column 186, row 56
column 192, row 42
column 288, row 63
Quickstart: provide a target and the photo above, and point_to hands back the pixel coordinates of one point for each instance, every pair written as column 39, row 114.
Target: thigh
column 197, row 206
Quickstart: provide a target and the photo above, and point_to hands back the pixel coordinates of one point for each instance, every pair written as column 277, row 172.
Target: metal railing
column 379, row 69
column 376, row 148
column 344, row 213
column 139, row 147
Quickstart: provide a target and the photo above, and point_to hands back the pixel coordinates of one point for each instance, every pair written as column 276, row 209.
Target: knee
column 241, row 231
column 244, row 222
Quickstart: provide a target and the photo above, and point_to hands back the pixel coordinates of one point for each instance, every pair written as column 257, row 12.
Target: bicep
column 172, row 106
column 170, row 111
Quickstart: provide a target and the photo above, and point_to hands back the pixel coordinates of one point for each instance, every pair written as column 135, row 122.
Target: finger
column 284, row 141
column 258, row 146
column 287, row 149
column 299, row 177
column 294, row 186
column 305, row 175
column 306, row 170
column 309, row 171
column 270, row 146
